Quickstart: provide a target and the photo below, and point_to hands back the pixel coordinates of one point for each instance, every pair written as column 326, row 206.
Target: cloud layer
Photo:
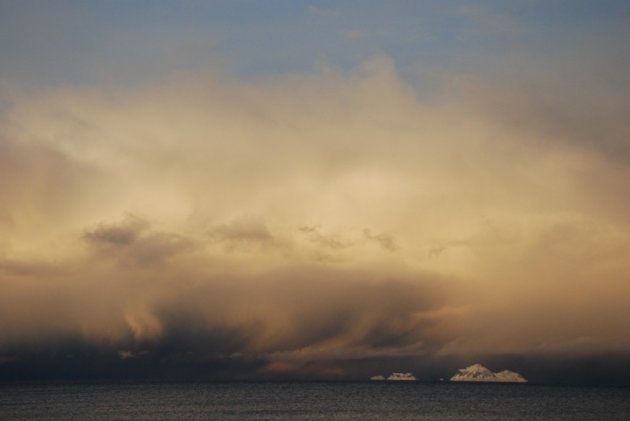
column 302, row 221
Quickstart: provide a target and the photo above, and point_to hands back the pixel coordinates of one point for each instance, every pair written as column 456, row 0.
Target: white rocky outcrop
column 479, row 373
column 401, row 376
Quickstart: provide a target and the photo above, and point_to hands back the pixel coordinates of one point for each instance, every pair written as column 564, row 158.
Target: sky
column 235, row 190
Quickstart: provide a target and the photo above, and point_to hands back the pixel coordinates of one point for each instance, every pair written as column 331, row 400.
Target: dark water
column 310, row 401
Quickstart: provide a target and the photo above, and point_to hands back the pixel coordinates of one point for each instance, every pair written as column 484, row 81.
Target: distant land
column 395, row 377
column 472, row 373
column 479, row 373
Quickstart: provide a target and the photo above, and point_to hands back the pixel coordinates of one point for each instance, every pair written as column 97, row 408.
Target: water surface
column 310, row 401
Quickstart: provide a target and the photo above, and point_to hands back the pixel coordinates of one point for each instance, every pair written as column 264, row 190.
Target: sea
column 311, row 401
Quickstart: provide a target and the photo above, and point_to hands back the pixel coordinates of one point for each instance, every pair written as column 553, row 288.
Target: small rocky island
column 395, row 377
column 479, row 373
column 402, row 376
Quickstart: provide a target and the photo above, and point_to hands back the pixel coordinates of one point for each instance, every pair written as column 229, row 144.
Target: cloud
column 134, row 242
column 117, row 235
column 307, row 222
column 246, row 235
column 384, row 240
column 330, row 241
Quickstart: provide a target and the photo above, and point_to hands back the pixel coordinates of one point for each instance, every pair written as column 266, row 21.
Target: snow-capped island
column 402, row 376
column 395, row 377
column 479, row 373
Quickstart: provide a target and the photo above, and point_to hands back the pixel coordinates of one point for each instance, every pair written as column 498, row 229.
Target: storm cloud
column 324, row 224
